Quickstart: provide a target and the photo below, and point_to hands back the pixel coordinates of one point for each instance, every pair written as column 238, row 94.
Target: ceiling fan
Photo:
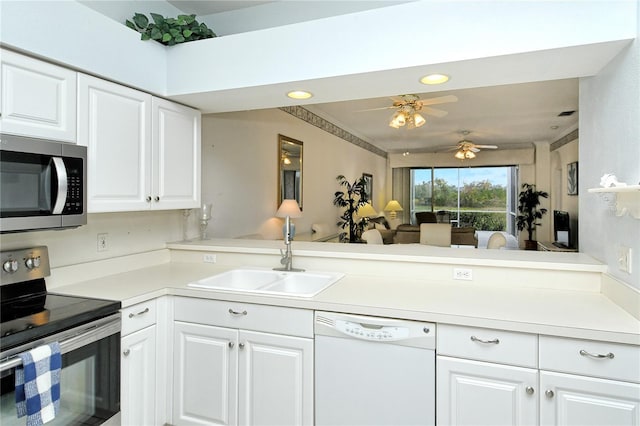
column 409, row 107
column 465, row 149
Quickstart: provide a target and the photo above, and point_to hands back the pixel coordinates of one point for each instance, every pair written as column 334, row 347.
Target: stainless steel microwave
column 43, row 184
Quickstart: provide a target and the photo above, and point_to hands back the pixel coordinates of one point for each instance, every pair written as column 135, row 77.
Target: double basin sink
column 268, row 281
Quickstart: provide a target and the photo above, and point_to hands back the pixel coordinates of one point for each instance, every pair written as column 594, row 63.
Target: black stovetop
column 38, row 313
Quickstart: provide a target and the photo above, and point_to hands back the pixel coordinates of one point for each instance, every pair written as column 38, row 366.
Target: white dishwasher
column 374, row 371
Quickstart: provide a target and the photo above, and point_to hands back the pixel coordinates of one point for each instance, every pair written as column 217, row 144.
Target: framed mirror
column 289, row 169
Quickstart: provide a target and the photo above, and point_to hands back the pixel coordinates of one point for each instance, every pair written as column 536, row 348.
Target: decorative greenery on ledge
column 169, row 31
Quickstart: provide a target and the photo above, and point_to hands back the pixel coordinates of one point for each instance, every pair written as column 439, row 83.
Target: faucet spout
column 286, row 259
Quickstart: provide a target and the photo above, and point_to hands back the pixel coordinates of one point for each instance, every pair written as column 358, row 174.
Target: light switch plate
column 624, row 259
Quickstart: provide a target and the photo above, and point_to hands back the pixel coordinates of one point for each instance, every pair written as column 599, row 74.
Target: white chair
column 435, row 234
column 372, row 236
column 496, row 241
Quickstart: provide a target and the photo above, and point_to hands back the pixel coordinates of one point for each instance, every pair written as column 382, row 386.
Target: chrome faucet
column 287, row 256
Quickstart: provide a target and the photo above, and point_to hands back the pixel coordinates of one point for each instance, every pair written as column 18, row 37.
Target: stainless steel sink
column 267, row 281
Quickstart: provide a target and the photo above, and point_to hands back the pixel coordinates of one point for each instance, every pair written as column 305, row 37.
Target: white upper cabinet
column 143, row 152
column 114, row 123
column 176, row 156
column 38, row 98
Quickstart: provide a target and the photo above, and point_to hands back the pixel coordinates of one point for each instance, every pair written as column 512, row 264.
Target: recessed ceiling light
column 554, row 127
column 434, row 79
column 299, row 94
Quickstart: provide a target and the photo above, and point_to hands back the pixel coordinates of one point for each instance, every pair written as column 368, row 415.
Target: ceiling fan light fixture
column 435, row 78
column 459, row 154
column 418, row 120
column 299, row 94
column 469, row 154
column 398, row 120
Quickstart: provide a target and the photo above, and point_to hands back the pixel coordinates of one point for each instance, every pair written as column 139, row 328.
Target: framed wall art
column 572, row 178
column 368, row 186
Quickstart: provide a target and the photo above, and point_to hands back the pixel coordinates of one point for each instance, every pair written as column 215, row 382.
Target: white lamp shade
column 418, row 119
column 367, row 210
column 289, row 207
column 393, row 206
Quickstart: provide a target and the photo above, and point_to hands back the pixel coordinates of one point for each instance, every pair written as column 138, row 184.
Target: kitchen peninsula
column 551, row 300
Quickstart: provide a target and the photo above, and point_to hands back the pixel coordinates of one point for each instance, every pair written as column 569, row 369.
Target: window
column 482, row 197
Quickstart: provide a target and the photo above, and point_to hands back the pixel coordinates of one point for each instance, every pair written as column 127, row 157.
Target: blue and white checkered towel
column 38, row 384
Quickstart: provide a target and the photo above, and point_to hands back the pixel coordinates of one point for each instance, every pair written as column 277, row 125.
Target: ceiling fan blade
column 439, row 100
column 376, row 109
column 434, row 111
column 487, row 146
column 474, row 149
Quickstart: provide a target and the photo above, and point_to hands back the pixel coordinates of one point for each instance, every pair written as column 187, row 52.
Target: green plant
column 352, row 198
column 529, row 213
column 169, row 31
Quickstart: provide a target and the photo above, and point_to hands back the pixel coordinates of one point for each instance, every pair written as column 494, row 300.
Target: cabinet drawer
column 590, row 358
column 484, row 344
column 271, row 319
column 138, row 316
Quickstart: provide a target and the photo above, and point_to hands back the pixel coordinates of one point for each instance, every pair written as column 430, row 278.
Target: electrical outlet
column 209, row 258
column 624, row 259
column 462, row 274
column 103, row 244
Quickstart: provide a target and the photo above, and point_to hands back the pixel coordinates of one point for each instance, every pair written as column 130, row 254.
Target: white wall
column 128, row 233
column 610, row 143
column 239, row 162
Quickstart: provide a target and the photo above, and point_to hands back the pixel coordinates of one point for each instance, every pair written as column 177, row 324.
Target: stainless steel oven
column 88, row 331
column 42, row 184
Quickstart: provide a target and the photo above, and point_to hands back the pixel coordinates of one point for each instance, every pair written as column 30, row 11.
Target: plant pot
column 530, row 245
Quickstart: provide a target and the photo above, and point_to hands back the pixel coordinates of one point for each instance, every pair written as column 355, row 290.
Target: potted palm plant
column 352, row 198
column 529, row 213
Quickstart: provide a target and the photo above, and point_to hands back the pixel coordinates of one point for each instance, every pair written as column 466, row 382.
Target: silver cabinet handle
column 232, row 312
column 156, row 199
column 148, row 198
column 231, row 344
column 126, row 352
column 529, row 390
column 241, row 345
column 492, row 342
column 549, row 393
column 610, row 355
column 426, row 330
column 131, row 315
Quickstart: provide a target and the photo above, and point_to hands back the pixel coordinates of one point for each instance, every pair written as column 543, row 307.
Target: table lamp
column 393, row 206
column 288, row 209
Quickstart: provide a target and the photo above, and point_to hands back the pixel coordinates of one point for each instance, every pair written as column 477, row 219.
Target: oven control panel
column 24, row 264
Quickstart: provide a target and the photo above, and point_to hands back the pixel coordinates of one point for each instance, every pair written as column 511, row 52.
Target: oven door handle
column 75, row 342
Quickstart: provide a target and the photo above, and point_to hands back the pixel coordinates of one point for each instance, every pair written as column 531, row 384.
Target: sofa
column 410, row 234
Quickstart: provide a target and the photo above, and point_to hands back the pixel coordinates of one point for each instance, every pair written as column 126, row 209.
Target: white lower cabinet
column 143, row 364
column 557, row 381
column 138, row 370
column 573, row 400
column 228, row 375
column 588, row 383
column 481, row 393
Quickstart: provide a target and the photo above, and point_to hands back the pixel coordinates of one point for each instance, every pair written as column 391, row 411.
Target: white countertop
column 569, row 313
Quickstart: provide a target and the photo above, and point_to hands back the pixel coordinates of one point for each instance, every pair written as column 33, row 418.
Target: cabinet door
column 176, row 156
column 38, row 98
column 204, row 375
column 572, row 400
column 138, row 378
column 276, row 379
column 115, row 124
column 481, row 393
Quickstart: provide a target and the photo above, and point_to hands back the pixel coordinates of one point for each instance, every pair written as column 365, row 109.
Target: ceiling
column 510, row 116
